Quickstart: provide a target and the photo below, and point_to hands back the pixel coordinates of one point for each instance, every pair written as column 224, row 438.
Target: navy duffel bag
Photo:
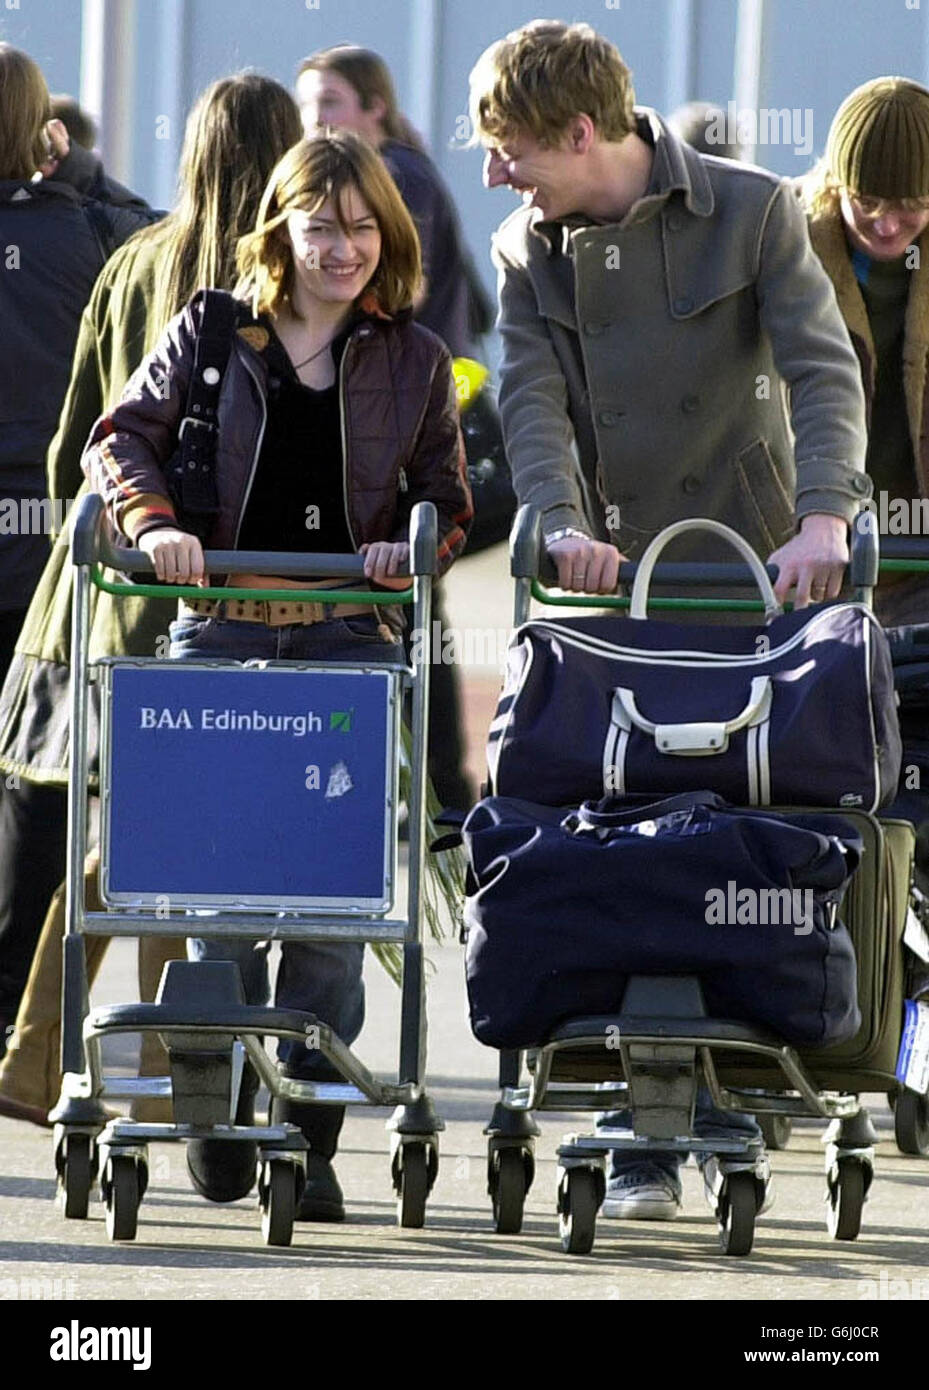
column 798, row 711
column 562, row 907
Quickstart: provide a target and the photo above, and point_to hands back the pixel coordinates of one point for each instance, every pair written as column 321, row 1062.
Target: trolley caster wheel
column 413, row 1184
column 511, row 1172
column 845, row 1199
column 277, row 1197
column 735, row 1213
column 579, row 1199
column 911, row 1123
column 123, row 1187
column 76, row 1163
column 776, row 1129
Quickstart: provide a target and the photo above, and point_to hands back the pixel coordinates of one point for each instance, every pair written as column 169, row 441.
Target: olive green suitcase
column 874, row 911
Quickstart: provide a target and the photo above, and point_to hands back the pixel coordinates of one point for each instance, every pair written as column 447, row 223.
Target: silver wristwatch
column 562, row 534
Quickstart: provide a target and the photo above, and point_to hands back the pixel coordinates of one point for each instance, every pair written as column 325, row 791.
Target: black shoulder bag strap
column 192, row 471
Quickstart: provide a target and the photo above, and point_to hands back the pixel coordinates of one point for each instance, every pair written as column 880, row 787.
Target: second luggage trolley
column 664, row 1043
column 207, row 834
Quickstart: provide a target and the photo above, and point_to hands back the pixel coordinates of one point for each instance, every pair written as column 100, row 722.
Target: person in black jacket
column 54, row 240
column 351, row 88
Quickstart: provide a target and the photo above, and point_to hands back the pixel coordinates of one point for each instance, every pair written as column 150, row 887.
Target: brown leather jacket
column 400, row 426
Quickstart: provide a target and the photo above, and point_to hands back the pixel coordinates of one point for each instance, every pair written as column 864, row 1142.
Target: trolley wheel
column 735, row 1213
column 509, row 1184
column 578, row 1203
column 776, row 1130
column 123, row 1195
column 911, row 1123
column 845, row 1199
column 414, row 1186
column 278, row 1201
column 75, row 1176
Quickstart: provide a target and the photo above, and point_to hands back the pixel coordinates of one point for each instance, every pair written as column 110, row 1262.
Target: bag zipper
column 596, row 646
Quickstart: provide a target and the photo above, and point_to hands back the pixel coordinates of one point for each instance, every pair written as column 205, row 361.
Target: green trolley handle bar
column 382, row 597
column 730, row 605
column 906, row 566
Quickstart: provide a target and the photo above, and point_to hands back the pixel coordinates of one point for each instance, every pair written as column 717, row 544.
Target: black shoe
column 322, row 1196
column 223, row 1170
column 320, row 1125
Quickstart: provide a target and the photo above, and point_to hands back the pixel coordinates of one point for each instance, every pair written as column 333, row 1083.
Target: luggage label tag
column 915, row 936
column 913, row 1060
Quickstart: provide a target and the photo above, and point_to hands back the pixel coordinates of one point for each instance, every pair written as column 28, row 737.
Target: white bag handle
column 638, row 605
column 697, row 737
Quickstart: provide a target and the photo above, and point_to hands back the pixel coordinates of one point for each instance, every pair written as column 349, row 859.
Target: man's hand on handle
column 814, row 560
column 586, row 566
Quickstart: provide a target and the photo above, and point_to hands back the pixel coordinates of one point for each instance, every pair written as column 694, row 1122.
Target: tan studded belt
column 275, row 613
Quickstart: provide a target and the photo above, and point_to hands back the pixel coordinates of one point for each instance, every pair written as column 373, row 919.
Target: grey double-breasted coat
column 694, row 353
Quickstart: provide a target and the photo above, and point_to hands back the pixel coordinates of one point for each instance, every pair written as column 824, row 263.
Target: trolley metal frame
column 666, row 1043
column 85, row 1144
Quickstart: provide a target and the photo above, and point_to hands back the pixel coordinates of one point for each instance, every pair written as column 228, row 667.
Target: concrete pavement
column 187, row 1248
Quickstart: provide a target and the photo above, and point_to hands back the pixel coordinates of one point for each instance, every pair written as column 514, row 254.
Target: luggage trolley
column 667, row 1044
column 313, row 859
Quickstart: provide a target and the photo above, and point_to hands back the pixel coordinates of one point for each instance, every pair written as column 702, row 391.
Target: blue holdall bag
column 563, row 907
column 796, row 711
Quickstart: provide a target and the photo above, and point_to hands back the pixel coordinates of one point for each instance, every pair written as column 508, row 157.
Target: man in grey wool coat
column 663, row 311
column 672, row 348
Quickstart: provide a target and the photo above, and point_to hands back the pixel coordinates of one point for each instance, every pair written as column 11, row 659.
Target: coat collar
column 676, row 169
column 368, row 310
column 828, row 237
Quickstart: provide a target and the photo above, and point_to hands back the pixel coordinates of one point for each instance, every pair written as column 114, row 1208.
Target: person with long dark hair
column 236, row 133
column 350, row 88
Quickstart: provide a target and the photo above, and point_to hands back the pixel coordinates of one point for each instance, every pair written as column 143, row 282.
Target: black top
column 297, row 497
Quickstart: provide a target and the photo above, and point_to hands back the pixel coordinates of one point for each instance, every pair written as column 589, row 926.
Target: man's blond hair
column 540, row 77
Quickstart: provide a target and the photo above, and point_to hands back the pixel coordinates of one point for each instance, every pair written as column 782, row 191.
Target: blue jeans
column 323, row 978
column 709, row 1123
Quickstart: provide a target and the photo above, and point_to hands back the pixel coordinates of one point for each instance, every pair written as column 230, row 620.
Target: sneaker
column 642, row 1194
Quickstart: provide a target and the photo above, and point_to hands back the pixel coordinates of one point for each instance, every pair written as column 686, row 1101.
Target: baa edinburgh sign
column 248, row 787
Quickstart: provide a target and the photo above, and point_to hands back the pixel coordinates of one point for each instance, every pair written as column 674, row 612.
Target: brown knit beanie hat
column 878, row 143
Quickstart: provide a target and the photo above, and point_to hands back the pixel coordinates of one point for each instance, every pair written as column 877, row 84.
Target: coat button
column 689, row 404
column 675, row 222
column 691, row 484
column 593, row 330
column 610, row 417
column 683, row 306
column 860, row 483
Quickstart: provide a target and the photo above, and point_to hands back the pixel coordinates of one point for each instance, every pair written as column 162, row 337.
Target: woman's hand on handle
column 177, row 556
column 383, row 562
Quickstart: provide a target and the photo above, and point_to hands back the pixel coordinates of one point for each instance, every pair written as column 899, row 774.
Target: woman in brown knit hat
column 868, row 203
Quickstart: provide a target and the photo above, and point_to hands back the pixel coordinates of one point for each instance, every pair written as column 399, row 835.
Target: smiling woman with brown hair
column 334, row 400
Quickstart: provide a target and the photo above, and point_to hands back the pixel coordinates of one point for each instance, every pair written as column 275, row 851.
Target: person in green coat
column 235, row 135
column 868, row 206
